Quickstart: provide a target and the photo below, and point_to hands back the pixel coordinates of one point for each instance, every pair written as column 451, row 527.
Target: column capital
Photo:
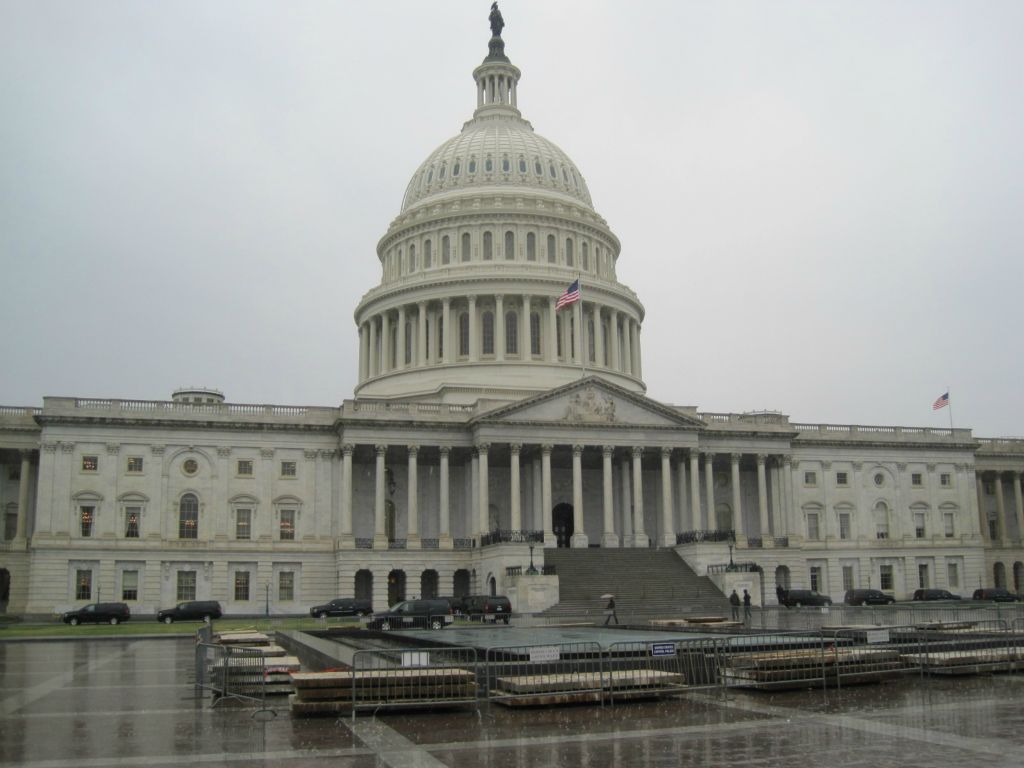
column 445, row 450
column 499, row 297
column 380, row 449
column 761, row 459
column 708, row 457
column 446, row 301
column 735, row 457
column 482, row 448
column 666, row 453
column 422, row 305
column 515, row 448
column 471, row 298
column 547, row 448
column 577, row 450
column 413, row 449
column 607, row 450
column 637, row 451
column 347, row 449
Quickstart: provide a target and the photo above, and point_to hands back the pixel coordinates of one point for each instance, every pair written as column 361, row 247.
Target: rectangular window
column 847, row 577
column 844, row 525
column 135, row 464
column 286, row 586
column 815, row 578
column 810, row 478
column 288, row 469
column 919, row 531
column 131, row 522
column 842, row 478
column 87, row 516
column 885, row 580
column 945, row 480
column 186, row 585
column 922, row 575
column 812, row 526
column 90, row 463
column 916, row 480
column 245, row 467
column 949, row 524
column 953, row 574
column 83, row 585
column 241, row 585
column 243, row 523
column 129, row 585
column 287, row 525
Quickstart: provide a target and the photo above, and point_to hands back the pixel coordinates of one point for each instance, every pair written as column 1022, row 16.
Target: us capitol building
column 486, row 426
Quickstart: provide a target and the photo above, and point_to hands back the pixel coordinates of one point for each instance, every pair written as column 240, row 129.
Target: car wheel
column 113, row 619
column 73, row 621
column 168, row 620
column 385, row 626
column 436, row 624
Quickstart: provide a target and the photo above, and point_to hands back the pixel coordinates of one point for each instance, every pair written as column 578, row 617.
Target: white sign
column 545, row 653
column 415, row 658
column 877, row 635
column 663, row 649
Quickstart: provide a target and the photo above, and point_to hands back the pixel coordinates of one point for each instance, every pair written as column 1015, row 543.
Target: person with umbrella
column 609, row 610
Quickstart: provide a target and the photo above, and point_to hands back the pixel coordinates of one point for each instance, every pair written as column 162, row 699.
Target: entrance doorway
column 396, row 587
column 562, row 525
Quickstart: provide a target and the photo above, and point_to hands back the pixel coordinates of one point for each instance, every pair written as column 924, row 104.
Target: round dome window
column 190, row 466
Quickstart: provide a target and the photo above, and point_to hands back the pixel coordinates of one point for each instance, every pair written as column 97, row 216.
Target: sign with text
column 663, row 649
column 545, row 653
column 877, row 635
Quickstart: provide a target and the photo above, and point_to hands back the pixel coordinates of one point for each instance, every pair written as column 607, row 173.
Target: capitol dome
column 496, row 224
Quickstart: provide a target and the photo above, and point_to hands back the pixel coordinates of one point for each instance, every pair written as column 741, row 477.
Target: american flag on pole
column 941, row 401
column 569, row 296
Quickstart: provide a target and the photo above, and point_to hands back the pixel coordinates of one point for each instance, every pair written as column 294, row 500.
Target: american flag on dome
column 569, row 296
column 941, row 401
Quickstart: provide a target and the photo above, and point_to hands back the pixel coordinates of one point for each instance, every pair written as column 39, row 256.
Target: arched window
column 412, row 258
column 398, row 260
column 531, row 246
column 569, row 260
column 188, row 517
column 472, row 165
column 428, row 256
column 440, row 173
column 510, row 246
column 552, row 255
column 585, row 257
column 534, row 333
column 537, row 168
column 455, row 170
column 488, row 165
column 522, row 165
column 511, row 332
column 506, row 166
column 881, row 520
column 464, row 334
column 446, row 250
column 488, row 332
column 488, row 246
column 465, row 246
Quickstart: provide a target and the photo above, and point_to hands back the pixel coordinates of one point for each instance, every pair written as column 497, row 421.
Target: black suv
column 194, row 610
column 342, row 606
column 935, row 594
column 868, row 597
column 98, row 613
column 488, row 607
column 795, row 598
column 997, row 594
column 413, row 614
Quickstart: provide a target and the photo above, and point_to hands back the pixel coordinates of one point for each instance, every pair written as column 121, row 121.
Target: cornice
column 143, row 423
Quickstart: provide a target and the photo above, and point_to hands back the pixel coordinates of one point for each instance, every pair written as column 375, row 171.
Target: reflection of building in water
column 472, row 432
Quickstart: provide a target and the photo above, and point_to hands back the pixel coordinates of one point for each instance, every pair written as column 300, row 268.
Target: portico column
column 421, row 335
column 627, row 354
column 385, row 342
column 682, row 518
column 1004, row 536
column 373, row 359
column 595, row 314
column 579, row 536
column 737, row 498
column 474, row 331
column 979, row 482
column 23, row 486
column 446, row 330
column 695, row 490
column 637, row 364
column 485, row 498
column 668, row 535
column 400, row 352
column 1017, row 497
column 380, row 536
column 639, row 537
column 346, row 491
column 762, row 496
column 552, row 351
column 525, row 336
column 363, row 355
column 514, row 484
column 545, row 494
column 626, row 489
column 444, row 520
column 608, row 537
column 412, row 538
column 790, row 502
column 709, row 490
column 613, row 338
column 499, row 327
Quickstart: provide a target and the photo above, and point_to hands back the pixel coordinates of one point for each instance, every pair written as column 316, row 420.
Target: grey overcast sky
column 820, row 203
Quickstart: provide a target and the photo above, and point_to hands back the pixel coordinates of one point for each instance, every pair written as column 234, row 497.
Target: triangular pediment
column 591, row 401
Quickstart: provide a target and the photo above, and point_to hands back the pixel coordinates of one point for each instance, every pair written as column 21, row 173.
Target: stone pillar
column 23, row 488
column 346, row 492
column 695, row 490
column 412, row 536
column 625, row 488
column 385, row 342
column 1004, row 536
column 668, row 534
column 552, row 351
column 709, row 490
column 400, row 342
column 789, row 505
column 364, row 337
column 682, row 518
column 474, row 331
column 579, row 337
column 637, row 363
column 545, row 495
column 514, row 481
column 499, row 327
column 627, row 346
column 737, row 499
column 373, row 359
column 485, row 497
column 525, row 338
column 1017, row 498
column 640, row 538
column 982, row 509
column 762, row 496
column 446, row 331
column 613, row 338
column 444, row 529
column 422, row 348
column 598, row 336
column 537, row 518
column 579, row 536
column 609, row 537
column 380, row 536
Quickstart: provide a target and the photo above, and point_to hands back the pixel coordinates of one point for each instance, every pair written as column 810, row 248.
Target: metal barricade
column 635, row 670
column 555, row 673
column 964, row 648
column 772, row 661
column 413, row 677
column 869, row 655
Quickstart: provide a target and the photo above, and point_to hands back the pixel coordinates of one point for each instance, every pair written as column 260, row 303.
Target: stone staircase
column 647, row 583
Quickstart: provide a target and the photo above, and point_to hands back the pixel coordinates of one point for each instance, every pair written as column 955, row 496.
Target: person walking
column 734, row 601
column 609, row 611
column 746, row 607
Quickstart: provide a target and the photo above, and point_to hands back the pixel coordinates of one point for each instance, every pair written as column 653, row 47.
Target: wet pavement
column 130, row 702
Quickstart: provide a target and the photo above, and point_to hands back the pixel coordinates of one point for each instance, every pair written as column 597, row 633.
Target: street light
column 531, row 571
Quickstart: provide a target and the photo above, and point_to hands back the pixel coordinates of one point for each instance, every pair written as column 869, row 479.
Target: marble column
column 346, row 492
column 422, row 349
column 385, row 342
column 986, row 531
column 709, row 490
column 579, row 536
column 446, row 331
column 373, row 361
column 609, row 537
column 627, row 353
column 625, row 487
column 444, row 527
column 380, row 536
column 499, row 327
column 613, row 338
column 514, row 481
column 668, row 534
column 474, row 331
column 695, row 490
column 598, row 336
column 637, row 364
column 737, row 499
column 762, row 496
column 552, row 351
column 789, row 506
column 364, row 357
column 1017, row 498
column 412, row 537
column 24, row 481
column 525, row 338
column 1004, row 535
column 545, row 495
column 484, row 523
column 640, row 538
column 400, row 341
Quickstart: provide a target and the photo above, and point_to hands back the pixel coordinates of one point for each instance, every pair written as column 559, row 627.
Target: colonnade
column 998, row 531
column 17, row 531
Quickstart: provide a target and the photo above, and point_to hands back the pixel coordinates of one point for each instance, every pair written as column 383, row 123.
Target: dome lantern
column 497, row 79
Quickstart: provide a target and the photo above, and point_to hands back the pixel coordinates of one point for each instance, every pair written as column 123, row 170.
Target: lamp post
column 732, row 566
column 532, row 570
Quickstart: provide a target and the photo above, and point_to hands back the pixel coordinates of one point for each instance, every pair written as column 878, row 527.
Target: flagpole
column 949, row 401
column 583, row 356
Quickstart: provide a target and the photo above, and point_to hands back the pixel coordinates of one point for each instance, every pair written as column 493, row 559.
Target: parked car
column 997, row 594
column 935, row 594
column 98, row 613
column 458, row 604
column 193, row 610
column 867, row 597
column 488, row 607
column 434, row 613
column 795, row 598
column 342, row 606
